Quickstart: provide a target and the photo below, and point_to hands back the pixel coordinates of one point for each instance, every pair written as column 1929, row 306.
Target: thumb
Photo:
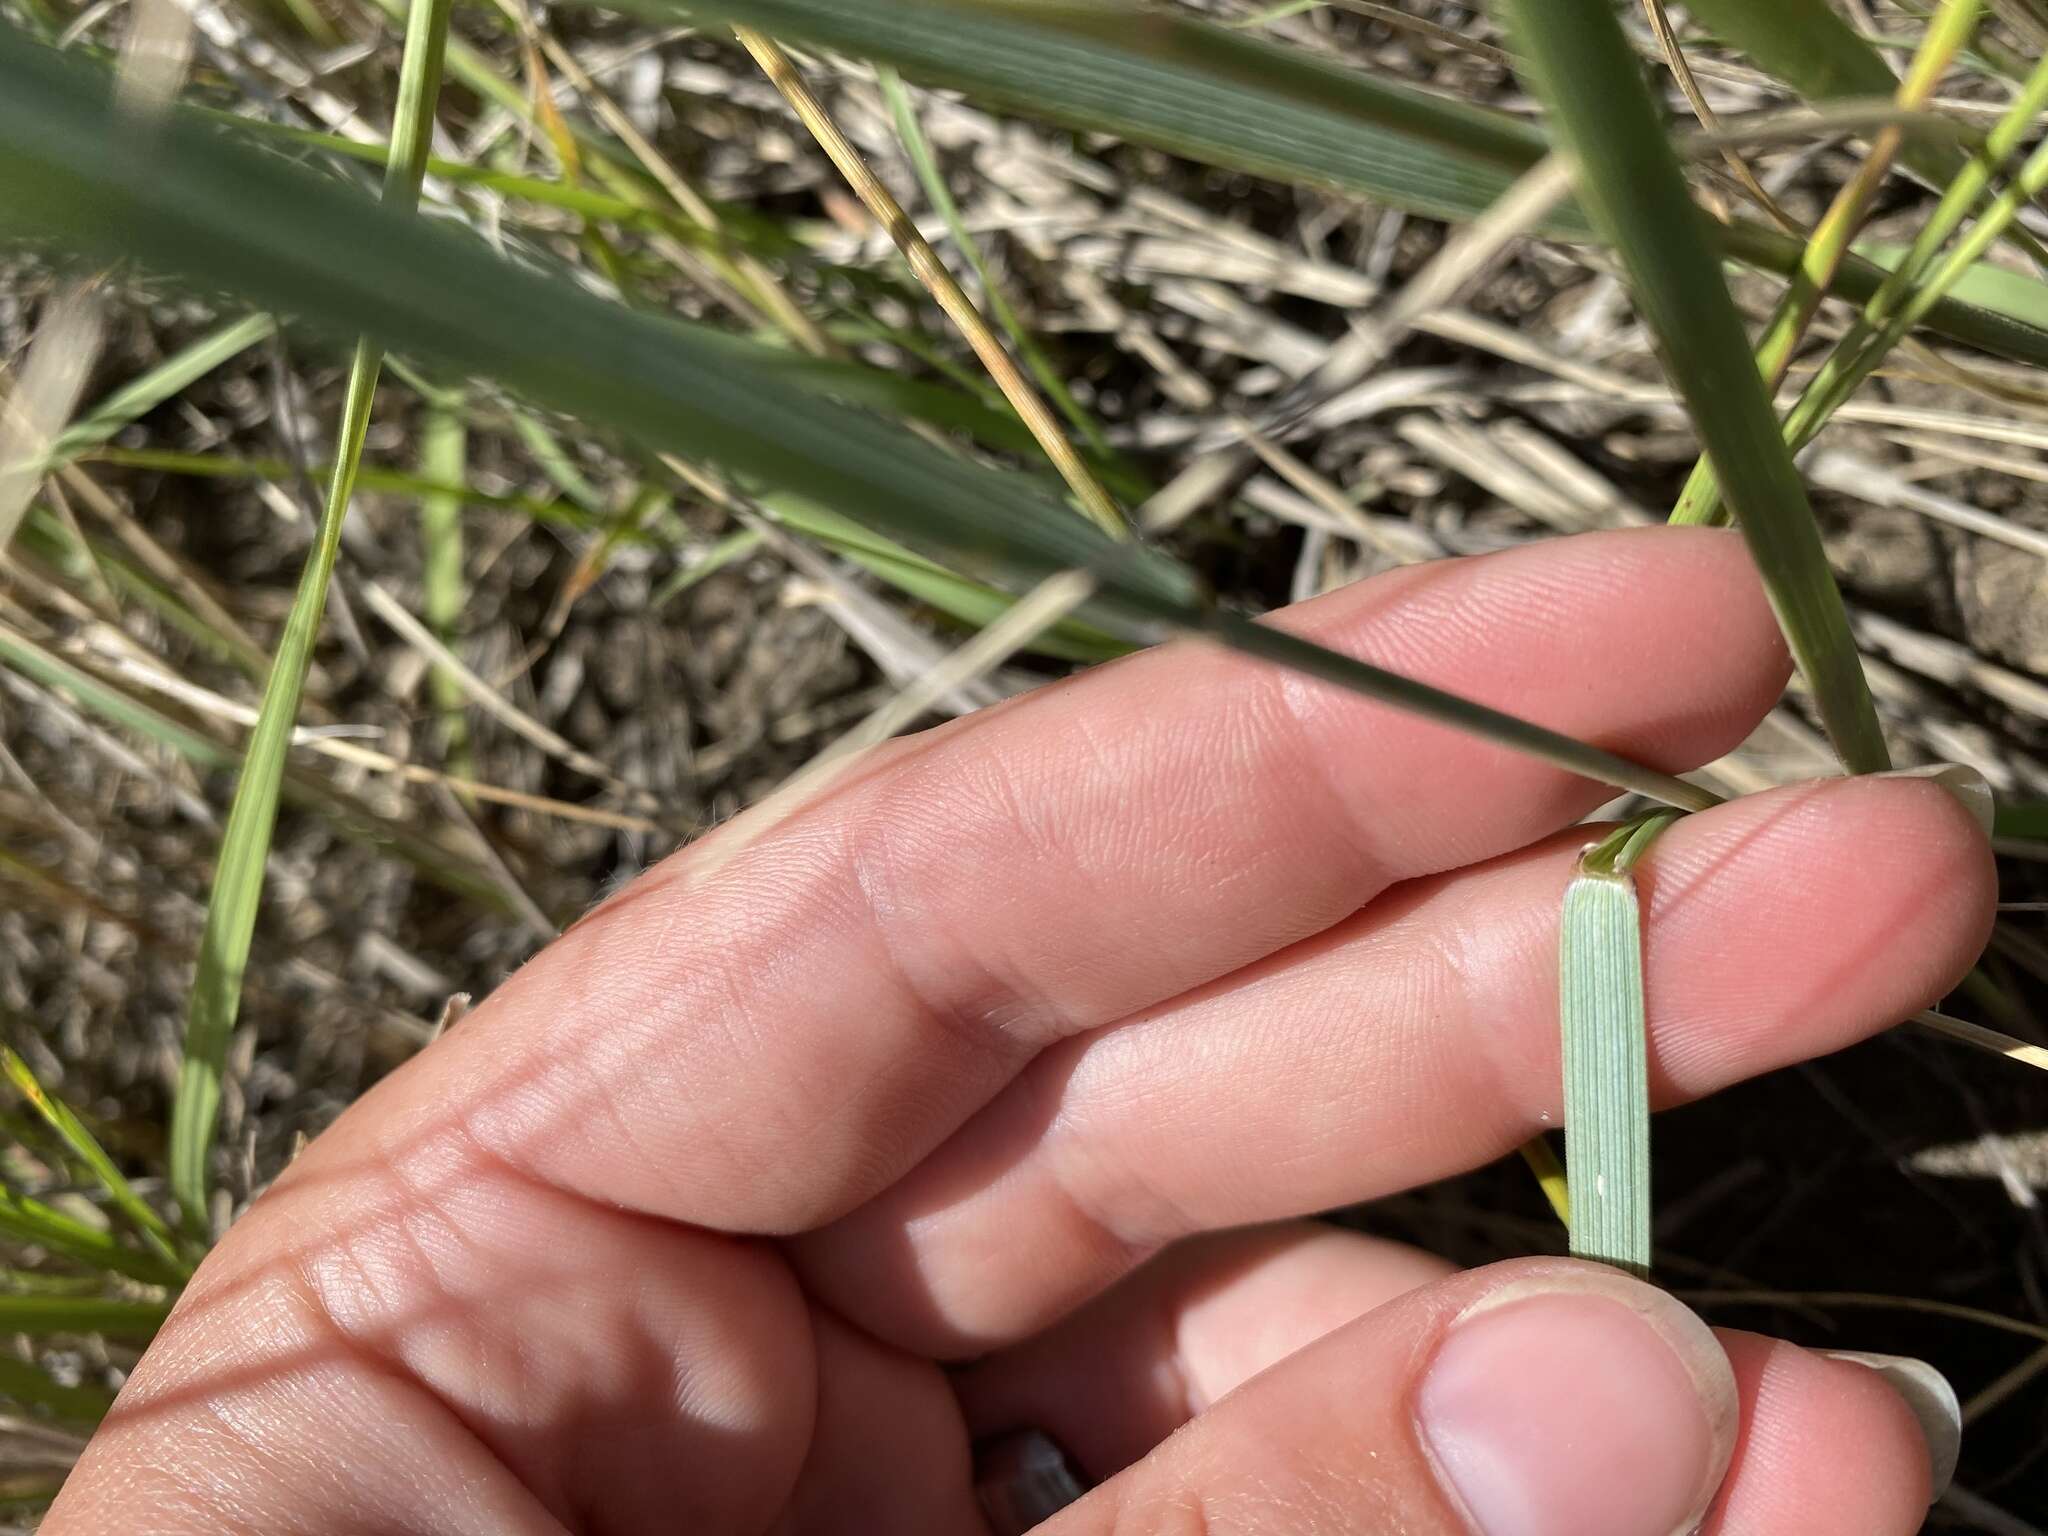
column 1535, row 1398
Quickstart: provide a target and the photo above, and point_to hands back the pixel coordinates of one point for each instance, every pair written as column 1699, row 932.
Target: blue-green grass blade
column 1606, row 1073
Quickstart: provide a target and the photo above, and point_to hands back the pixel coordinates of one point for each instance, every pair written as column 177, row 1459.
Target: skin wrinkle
column 998, row 1014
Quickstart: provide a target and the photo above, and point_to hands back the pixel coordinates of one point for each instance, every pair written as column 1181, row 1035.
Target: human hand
column 681, row 1228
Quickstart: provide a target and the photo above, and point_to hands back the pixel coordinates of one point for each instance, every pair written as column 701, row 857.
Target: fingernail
column 1023, row 1480
column 1961, row 780
column 1933, row 1401
column 1579, row 1404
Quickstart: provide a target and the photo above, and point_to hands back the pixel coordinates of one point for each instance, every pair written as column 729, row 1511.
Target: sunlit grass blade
column 1631, row 183
column 903, row 112
column 245, row 845
column 2003, row 312
column 1606, row 1062
column 1919, row 279
column 298, row 244
column 1829, row 243
column 165, row 381
column 973, row 604
column 444, row 586
column 1808, row 45
column 1923, row 276
column 83, row 1145
column 1095, row 502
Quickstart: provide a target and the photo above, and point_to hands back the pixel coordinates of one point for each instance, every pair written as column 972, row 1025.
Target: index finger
column 763, row 1045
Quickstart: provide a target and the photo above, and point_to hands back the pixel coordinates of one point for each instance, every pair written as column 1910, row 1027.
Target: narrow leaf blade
column 1631, row 184
column 1606, row 1072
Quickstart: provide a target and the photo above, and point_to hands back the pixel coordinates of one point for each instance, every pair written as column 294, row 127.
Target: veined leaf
column 1606, row 1071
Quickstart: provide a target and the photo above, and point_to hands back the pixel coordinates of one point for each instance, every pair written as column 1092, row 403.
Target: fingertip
column 1828, row 1448
column 1928, row 842
column 1796, row 922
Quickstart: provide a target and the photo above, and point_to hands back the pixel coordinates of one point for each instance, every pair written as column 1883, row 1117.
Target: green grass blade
column 41, row 1316
column 188, row 201
column 1920, row 278
column 1606, row 1072
column 1806, row 44
column 84, row 1146
column 2003, row 312
column 32, row 1223
column 729, row 550
column 245, row 845
column 214, row 466
column 444, row 580
column 1829, row 243
column 1630, row 182
column 1203, row 91
column 1998, row 290
column 166, row 380
column 904, row 113
column 24, row 1384
column 973, row 604
column 389, row 838
column 1923, row 276
column 1213, row 95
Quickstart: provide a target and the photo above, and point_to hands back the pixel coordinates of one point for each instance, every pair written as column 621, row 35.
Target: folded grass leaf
column 1631, row 184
